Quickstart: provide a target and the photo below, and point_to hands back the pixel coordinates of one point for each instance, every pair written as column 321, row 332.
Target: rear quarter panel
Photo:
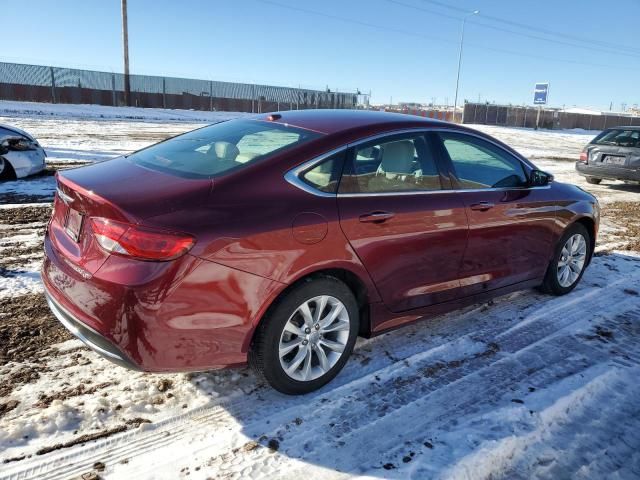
column 255, row 221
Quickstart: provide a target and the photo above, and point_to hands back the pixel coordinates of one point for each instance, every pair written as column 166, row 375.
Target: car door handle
column 376, row 217
column 482, row 206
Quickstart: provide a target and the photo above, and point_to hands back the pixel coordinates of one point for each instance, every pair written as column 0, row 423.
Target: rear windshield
column 218, row 149
column 619, row 138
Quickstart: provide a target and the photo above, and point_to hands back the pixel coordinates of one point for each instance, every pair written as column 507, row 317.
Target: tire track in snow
column 363, row 388
column 472, row 388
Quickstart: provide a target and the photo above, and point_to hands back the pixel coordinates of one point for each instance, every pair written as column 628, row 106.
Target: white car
column 20, row 154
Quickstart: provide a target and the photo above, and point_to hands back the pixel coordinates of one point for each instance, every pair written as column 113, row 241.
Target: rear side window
column 399, row 164
column 325, row 175
column 479, row 164
column 221, row 148
column 618, row 138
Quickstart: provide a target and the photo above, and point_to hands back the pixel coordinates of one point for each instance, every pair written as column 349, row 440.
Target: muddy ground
column 28, row 330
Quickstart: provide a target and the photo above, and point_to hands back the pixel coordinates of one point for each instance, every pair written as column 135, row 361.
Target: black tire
column 7, row 173
column 551, row 283
column 263, row 355
column 594, row 180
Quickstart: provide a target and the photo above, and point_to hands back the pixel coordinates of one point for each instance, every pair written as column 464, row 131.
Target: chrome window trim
column 423, row 192
column 293, row 176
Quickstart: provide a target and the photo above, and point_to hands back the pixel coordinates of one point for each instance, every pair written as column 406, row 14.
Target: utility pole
column 464, row 21
column 125, row 46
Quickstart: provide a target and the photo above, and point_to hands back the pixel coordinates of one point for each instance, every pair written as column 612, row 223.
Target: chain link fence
column 38, row 83
column 513, row 116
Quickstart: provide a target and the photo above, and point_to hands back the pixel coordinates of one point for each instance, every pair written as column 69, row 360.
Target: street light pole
column 125, row 46
column 464, row 21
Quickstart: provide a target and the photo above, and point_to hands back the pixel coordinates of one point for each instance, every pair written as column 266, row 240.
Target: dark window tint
column 399, row 164
column 325, row 175
column 618, row 138
column 221, row 148
column 480, row 164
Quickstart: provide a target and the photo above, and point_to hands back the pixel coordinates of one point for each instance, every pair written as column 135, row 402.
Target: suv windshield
column 220, row 148
column 619, row 138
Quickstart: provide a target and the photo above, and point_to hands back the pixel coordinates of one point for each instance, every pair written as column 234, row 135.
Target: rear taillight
column 584, row 156
column 140, row 242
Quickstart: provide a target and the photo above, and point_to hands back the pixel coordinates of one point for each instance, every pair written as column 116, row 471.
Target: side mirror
column 538, row 178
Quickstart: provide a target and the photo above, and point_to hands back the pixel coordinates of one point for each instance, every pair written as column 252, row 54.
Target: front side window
column 479, row 164
column 397, row 165
column 221, row 148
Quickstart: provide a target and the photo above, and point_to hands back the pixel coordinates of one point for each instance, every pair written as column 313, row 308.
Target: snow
column 541, row 144
column 15, row 109
column 525, row 386
column 20, row 281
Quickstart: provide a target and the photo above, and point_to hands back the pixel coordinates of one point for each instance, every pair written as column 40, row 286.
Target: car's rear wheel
column 594, row 180
column 6, row 170
column 307, row 337
column 569, row 261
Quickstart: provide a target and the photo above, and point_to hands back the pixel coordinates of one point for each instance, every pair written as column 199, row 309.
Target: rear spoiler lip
column 61, row 179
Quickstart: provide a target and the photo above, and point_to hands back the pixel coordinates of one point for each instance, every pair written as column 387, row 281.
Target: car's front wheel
column 6, row 170
column 307, row 337
column 569, row 261
column 594, row 180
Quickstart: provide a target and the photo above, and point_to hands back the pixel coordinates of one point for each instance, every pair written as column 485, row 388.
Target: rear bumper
column 87, row 335
column 609, row 172
column 180, row 316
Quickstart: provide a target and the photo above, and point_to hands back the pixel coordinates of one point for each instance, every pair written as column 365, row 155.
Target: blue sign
column 540, row 94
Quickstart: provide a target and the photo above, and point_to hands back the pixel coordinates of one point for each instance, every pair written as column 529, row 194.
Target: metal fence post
column 53, row 86
column 524, row 122
column 113, row 89
column 253, row 97
column 210, row 95
column 164, row 92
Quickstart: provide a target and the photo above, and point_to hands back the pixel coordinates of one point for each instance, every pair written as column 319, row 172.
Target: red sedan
column 280, row 238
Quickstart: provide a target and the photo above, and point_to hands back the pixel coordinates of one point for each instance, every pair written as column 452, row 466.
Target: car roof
column 628, row 127
column 332, row 121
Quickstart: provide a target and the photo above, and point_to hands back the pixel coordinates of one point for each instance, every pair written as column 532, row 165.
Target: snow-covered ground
column 526, row 386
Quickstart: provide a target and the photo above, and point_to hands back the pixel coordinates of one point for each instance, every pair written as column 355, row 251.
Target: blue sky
column 405, row 49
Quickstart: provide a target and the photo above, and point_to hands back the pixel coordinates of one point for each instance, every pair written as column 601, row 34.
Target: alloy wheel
column 572, row 260
column 314, row 338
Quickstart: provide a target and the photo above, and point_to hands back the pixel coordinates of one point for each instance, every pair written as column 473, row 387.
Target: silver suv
column 612, row 155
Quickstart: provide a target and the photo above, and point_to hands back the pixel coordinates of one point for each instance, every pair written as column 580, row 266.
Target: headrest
column 225, row 150
column 397, row 157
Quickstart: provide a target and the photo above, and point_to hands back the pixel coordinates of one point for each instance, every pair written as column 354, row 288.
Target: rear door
column 408, row 231
column 511, row 224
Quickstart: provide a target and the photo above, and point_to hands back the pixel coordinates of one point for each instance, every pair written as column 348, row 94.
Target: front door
column 510, row 223
column 409, row 233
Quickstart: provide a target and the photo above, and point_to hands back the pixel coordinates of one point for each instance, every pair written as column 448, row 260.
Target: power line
column 430, row 37
column 523, row 34
column 545, row 31
column 353, row 20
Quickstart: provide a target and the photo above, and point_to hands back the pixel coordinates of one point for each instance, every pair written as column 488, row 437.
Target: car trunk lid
column 614, row 156
column 117, row 190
